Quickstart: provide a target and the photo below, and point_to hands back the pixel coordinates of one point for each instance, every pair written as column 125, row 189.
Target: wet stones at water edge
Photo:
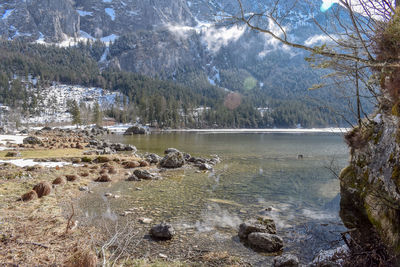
column 170, row 150
column 287, row 260
column 162, row 231
column 261, row 235
column 173, row 160
column 144, row 174
column 253, row 226
column 136, row 130
column 106, row 148
column 153, row 158
column 265, row 242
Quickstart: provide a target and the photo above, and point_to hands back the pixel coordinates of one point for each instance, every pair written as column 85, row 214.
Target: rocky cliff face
column 169, row 35
column 51, row 20
column 370, row 185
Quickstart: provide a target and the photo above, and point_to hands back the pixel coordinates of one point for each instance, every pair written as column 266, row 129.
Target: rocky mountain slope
column 166, row 38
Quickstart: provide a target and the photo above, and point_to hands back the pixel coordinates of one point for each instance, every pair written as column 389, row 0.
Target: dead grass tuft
column 42, row 189
column 131, row 164
column 31, row 195
column 82, row 258
column 84, row 174
column 71, row 178
column 103, row 179
column 58, row 181
column 144, row 163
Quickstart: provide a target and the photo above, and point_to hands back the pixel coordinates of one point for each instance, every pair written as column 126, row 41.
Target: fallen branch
column 70, row 218
column 32, row 243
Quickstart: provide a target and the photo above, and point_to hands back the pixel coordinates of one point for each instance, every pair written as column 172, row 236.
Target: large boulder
column 256, row 226
column 32, row 140
column 162, row 231
column 265, row 242
column 170, row 150
column 136, row 130
column 153, row 158
column 144, row 174
column 287, row 260
column 173, row 160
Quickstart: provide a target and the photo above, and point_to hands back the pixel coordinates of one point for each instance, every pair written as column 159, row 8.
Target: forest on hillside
column 188, row 101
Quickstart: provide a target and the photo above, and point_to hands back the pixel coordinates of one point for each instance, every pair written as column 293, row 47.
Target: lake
column 260, row 173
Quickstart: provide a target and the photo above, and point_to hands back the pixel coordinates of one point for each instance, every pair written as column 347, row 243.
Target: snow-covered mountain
column 170, row 38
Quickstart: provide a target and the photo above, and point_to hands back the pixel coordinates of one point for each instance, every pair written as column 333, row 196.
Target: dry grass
column 34, row 233
column 54, row 153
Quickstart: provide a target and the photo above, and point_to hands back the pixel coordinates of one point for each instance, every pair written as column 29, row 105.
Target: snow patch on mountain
column 7, row 13
column 109, row 38
column 84, row 13
column 110, row 12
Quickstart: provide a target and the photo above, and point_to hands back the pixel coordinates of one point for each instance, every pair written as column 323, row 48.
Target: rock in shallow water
column 170, row 150
column 144, row 174
column 265, row 242
column 254, row 226
column 153, row 158
column 162, row 231
column 173, row 160
column 287, row 260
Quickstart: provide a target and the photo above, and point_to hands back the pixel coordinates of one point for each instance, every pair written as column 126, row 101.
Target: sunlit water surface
column 258, row 171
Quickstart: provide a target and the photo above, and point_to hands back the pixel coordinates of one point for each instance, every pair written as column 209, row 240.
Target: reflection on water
column 259, row 174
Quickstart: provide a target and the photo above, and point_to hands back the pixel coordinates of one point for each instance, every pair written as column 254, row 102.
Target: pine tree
column 76, row 113
column 97, row 115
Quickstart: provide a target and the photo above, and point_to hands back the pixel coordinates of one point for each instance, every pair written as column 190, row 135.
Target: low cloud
column 317, row 39
column 217, row 37
column 212, row 36
column 272, row 44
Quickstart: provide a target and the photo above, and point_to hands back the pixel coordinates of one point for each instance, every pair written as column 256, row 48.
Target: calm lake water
column 260, row 173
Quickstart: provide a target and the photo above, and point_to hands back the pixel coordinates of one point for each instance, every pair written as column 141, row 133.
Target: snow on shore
column 31, row 162
column 14, row 139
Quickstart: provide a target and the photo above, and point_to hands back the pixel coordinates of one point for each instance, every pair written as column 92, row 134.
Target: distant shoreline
column 122, row 128
column 311, row 130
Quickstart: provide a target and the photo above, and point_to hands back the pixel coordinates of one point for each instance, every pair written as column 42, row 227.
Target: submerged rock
column 205, row 167
column 253, row 226
column 173, row 160
column 265, row 242
column 144, row 174
column 287, row 260
column 162, row 231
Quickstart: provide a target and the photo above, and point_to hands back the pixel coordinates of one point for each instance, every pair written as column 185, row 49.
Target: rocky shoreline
column 93, row 162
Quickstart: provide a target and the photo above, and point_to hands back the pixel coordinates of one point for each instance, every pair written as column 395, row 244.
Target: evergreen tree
column 97, row 115
column 76, row 113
